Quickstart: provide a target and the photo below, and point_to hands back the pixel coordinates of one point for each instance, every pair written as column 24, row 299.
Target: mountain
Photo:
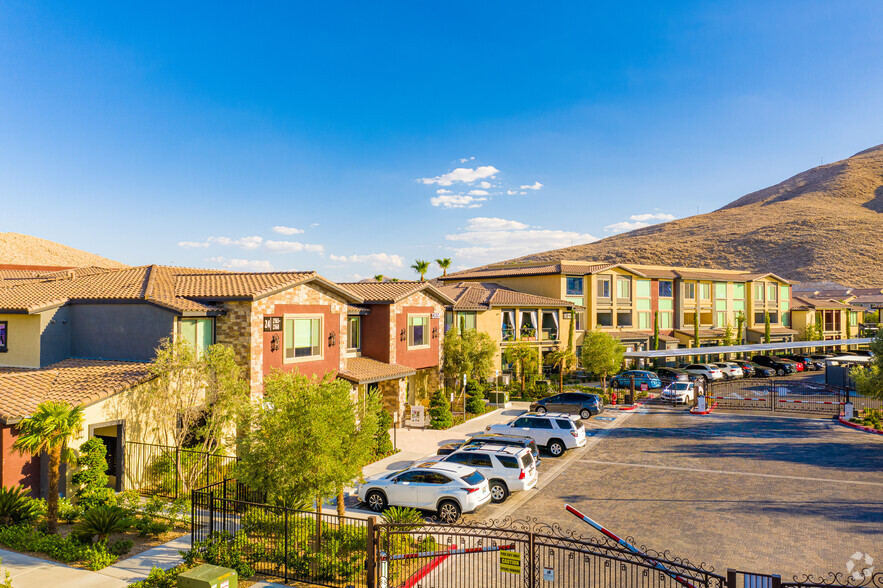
column 825, row 224
column 18, row 249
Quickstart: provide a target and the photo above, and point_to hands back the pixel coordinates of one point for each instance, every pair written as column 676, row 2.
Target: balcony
column 528, row 334
column 549, row 335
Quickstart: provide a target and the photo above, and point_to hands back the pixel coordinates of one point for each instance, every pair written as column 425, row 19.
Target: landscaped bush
column 16, row 506
column 67, row 511
column 91, row 480
column 225, row 550
column 159, row 578
column 27, row 538
column 193, row 465
column 102, row 521
column 382, row 442
column 120, row 546
column 475, row 397
column 403, row 516
column 97, row 557
column 440, row 411
column 870, row 417
column 150, row 523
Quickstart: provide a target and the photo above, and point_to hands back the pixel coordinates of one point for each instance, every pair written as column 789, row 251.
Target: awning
column 364, row 370
column 721, row 349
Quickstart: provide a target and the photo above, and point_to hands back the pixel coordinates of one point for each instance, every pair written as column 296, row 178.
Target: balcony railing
column 508, row 334
column 549, row 335
column 528, row 334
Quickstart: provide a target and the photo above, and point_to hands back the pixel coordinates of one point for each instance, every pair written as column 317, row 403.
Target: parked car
column 730, row 369
column 447, row 488
column 705, row 370
column 680, row 392
column 747, row 367
column 781, row 366
column 557, row 432
column 808, row 362
column 797, row 366
column 581, row 403
column 507, row 469
column 496, row 438
column 762, row 371
column 672, row 374
column 623, row 380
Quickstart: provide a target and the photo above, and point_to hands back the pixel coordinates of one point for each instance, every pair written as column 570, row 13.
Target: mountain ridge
column 27, row 250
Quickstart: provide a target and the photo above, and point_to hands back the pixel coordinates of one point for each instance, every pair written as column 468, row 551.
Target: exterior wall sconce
column 435, row 332
column 403, row 336
column 332, row 339
column 274, row 343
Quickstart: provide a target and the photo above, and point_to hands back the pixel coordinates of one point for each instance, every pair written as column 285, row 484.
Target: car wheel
column 499, row 492
column 541, row 410
column 556, row 447
column 780, row 372
column 449, row 511
column 376, row 501
column 585, row 414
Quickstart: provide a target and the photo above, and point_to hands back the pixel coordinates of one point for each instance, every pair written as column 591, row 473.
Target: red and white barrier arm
column 811, row 401
column 731, row 398
column 451, row 552
column 678, row 578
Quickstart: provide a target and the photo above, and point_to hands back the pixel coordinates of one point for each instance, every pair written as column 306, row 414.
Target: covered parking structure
column 716, row 353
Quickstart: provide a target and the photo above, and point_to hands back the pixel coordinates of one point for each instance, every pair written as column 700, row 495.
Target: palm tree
column 421, row 267
column 444, row 263
column 561, row 358
column 522, row 355
column 49, row 429
column 378, row 278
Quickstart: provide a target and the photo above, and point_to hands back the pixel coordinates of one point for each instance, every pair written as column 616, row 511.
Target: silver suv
column 507, row 469
column 557, row 432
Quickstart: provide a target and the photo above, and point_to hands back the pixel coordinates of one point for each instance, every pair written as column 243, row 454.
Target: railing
column 508, row 334
column 152, row 469
column 549, row 335
column 777, row 395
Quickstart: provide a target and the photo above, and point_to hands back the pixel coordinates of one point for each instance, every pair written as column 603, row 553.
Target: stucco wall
column 129, row 332
column 23, row 340
column 17, row 470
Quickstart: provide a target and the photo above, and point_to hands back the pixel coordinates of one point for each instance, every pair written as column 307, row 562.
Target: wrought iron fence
column 778, row 395
column 152, row 469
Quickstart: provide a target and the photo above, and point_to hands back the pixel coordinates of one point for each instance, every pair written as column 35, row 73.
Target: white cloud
column 378, row 260
column 292, row 247
column 192, row 244
column 484, row 185
column 314, row 224
column 511, row 192
column 244, row 265
column 492, row 239
column 443, row 191
column 248, row 243
column 486, row 223
column 287, row 230
column 465, row 175
column 652, row 216
column 478, row 192
column 465, row 159
column 534, row 186
column 456, row 201
column 625, row 226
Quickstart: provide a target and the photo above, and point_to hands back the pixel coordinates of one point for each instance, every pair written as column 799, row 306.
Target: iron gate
column 778, row 395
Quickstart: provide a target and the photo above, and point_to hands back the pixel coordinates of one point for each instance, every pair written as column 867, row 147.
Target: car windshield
column 473, row 478
column 527, row 460
column 681, row 386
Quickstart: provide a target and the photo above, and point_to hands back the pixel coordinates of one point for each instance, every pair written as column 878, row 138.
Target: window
column 603, row 287
column 604, row 319
column 509, row 461
column 758, row 291
column 481, row 460
column 758, row 318
column 574, row 286
column 623, row 288
column 624, row 319
column 853, row 317
column 738, row 306
column 739, row 291
column 3, row 327
column 786, row 319
column 666, row 320
column 354, row 333
column 467, row 318
column 721, row 319
column 449, row 320
column 642, row 288
column 541, row 424
column 720, row 290
column 578, row 320
column 418, row 331
column 644, row 321
column 522, row 422
column 665, row 288
column 785, row 293
column 435, row 478
column 303, row 337
column 411, row 477
column 690, row 290
column 199, row 333
column 773, row 292
column 705, row 291
column 774, row 318
column 563, row 424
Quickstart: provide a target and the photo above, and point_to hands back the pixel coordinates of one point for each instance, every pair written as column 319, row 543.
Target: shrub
column 68, row 512
column 440, row 411
column 225, row 550
column 382, row 442
column 7, row 578
column 403, row 516
column 120, row 546
column 97, row 557
column 129, row 500
column 150, row 527
column 16, row 506
column 475, row 397
column 159, row 578
column 26, row 538
column 91, row 478
column 102, row 521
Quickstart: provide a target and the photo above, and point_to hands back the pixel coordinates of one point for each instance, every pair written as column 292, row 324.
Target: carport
column 761, row 348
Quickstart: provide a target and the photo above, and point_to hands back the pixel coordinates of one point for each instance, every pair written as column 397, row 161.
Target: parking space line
column 731, row 473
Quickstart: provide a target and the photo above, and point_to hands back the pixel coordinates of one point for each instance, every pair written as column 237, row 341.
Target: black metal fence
column 153, row 470
column 778, row 395
column 285, row 543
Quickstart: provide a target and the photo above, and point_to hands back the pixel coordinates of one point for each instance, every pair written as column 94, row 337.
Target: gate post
column 531, row 572
column 285, row 569
column 211, row 513
column 177, row 465
column 731, row 578
column 371, row 547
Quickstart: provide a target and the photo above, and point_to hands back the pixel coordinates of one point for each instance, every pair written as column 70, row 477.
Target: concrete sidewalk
column 137, row 567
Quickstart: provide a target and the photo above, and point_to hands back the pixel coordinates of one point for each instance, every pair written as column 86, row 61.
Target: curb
column 709, row 411
column 425, row 571
column 636, row 405
column 843, row 421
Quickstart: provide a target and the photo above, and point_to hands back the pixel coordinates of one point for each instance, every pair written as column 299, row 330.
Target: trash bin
column 208, row 576
column 629, row 399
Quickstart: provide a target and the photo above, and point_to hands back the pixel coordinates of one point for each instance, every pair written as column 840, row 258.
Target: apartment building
column 838, row 320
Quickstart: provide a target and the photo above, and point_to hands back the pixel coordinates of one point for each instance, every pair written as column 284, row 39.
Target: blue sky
column 353, row 138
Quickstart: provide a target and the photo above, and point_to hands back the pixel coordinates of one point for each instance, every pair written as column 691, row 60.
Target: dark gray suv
column 581, row 403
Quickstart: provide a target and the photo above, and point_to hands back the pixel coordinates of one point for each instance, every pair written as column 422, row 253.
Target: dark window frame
column 4, row 339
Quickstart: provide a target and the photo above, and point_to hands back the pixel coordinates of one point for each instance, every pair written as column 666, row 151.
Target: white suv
column 706, row 370
column 556, row 432
column 507, row 469
column 729, row 369
column 447, row 488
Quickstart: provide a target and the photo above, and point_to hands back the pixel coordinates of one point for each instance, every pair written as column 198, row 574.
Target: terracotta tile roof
column 390, row 292
column 812, row 303
column 703, row 333
column 629, row 334
column 356, row 310
column 668, row 338
column 774, row 330
column 364, row 370
column 484, row 295
column 76, row 381
column 563, row 267
column 229, row 285
column 868, row 299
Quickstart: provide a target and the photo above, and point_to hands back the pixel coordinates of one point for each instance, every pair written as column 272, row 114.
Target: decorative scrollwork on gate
column 864, row 578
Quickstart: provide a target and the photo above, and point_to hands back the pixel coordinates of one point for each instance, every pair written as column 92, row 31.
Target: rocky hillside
column 825, row 224
column 19, row 249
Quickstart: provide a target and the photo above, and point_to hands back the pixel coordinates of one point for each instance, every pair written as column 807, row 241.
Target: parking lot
column 761, row 492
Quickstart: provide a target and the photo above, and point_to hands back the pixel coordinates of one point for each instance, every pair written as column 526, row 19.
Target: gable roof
column 391, row 292
column 485, row 295
column 364, row 370
column 75, row 381
column 514, row 270
column 812, row 303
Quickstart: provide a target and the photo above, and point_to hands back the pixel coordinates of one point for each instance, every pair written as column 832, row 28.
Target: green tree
column 49, row 429
column 307, row 439
column 729, row 335
column 820, row 329
column 848, row 326
column 521, row 355
column 421, row 267
column 91, row 478
column 655, row 330
column 602, row 354
column 561, row 358
column 444, row 264
column 382, row 441
column 766, row 327
column 696, row 331
column 475, row 397
column 440, row 416
column 467, row 352
column 378, row 278
column 869, row 378
column 740, row 327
